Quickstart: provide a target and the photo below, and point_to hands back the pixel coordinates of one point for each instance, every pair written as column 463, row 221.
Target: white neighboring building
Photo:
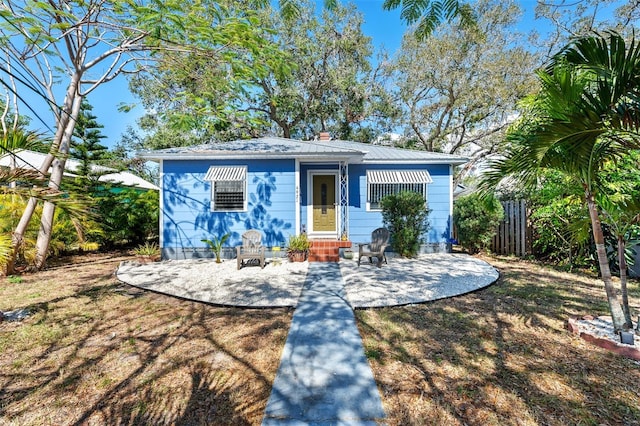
column 26, row 159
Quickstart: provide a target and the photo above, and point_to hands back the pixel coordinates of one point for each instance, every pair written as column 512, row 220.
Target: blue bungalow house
column 329, row 189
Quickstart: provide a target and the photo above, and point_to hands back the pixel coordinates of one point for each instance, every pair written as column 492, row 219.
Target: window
column 381, row 183
column 228, row 188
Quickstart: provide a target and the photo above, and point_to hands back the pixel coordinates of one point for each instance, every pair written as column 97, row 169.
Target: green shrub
column 405, row 215
column 476, row 219
column 128, row 215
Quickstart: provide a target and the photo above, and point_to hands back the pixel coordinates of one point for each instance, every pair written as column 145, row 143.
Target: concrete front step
column 326, row 250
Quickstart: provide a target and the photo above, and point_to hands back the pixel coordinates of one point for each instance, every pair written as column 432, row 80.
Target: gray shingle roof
column 274, row 147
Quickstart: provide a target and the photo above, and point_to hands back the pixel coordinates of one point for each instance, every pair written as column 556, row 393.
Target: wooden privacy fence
column 514, row 232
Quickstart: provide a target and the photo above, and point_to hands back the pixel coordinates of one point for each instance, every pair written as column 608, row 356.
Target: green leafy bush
column 128, row 215
column 560, row 225
column 5, row 250
column 405, row 215
column 476, row 219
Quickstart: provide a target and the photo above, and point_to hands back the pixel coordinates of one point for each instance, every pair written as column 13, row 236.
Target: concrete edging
column 617, row 348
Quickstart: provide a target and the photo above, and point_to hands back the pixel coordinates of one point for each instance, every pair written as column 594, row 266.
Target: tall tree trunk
column 617, row 315
column 622, row 261
column 57, row 172
column 65, row 119
column 17, row 237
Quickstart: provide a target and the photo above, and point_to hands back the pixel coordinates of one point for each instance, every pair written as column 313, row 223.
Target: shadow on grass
column 100, row 356
column 500, row 356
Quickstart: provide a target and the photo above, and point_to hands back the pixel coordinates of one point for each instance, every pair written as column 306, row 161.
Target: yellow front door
column 324, row 203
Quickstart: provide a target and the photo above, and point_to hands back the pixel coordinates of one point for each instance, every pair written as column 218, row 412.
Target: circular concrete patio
column 279, row 284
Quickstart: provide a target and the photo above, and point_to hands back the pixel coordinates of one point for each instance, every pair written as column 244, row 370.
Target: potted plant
column 216, row 245
column 298, row 248
column 147, row 252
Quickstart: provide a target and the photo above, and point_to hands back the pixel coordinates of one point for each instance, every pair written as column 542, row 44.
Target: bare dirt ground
column 96, row 352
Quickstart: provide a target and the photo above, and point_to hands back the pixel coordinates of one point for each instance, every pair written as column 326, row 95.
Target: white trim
column 297, row 195
column 161, row 204
column 226, row 155
column 396, row 177
column 450, row 202
column 226, row 173
column 321, row 172
column 405, row 161
column 308, row 158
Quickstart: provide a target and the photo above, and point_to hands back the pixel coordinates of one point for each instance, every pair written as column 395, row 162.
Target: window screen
column 377, row 191
column 228, row 187
column 381, row 183
column 228, row 195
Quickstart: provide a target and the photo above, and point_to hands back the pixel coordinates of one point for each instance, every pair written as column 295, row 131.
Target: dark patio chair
column 379, row 242
column 251, row 249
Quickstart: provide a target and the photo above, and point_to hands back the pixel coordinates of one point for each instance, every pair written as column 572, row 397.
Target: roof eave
column 342, row 156
column 453, row 162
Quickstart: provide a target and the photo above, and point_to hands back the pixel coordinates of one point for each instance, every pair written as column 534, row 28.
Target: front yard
column 501, row 356
column 96, row 352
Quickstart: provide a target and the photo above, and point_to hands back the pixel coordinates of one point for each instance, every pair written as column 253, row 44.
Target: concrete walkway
column 324, row 377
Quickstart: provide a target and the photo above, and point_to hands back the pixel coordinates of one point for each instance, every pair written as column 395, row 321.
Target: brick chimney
column 325, row 136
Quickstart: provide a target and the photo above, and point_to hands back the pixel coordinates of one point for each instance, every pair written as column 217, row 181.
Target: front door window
column 324, row 203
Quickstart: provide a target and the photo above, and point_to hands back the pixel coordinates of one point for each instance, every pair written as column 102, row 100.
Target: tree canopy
column 585, row 116
column 310, row 74
column 459, row 88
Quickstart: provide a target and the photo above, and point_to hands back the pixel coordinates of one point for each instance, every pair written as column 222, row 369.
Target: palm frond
column 6, row 250
column 24, row 176
column 31, row 184
column 586, row 113
column 428, row 14
column 19, row 139
column 614, row 69
column 290, row 9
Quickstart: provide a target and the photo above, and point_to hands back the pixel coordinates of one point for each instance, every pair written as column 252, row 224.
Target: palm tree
column 622, row 216
column 586, row 114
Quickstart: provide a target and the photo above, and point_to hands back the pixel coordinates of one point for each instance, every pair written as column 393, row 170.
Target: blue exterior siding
column 271, row 190
column 362, row 222
column 187, row 217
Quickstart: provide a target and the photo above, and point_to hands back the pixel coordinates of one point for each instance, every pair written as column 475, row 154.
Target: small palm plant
column 298, row 247
column 147, row 249
column 216, row 245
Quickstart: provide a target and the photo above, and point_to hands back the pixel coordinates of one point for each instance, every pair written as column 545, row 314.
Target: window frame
column 242, row 183
column 395, row 188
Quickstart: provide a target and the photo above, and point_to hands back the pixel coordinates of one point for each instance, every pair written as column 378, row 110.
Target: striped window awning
column 398, row 176
column 226, row 173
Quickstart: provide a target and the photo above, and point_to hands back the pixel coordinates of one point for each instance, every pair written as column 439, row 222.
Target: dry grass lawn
column 95, row 352
column 501, row 356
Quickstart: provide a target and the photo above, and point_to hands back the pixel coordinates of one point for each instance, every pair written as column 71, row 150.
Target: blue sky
column 385, row 28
